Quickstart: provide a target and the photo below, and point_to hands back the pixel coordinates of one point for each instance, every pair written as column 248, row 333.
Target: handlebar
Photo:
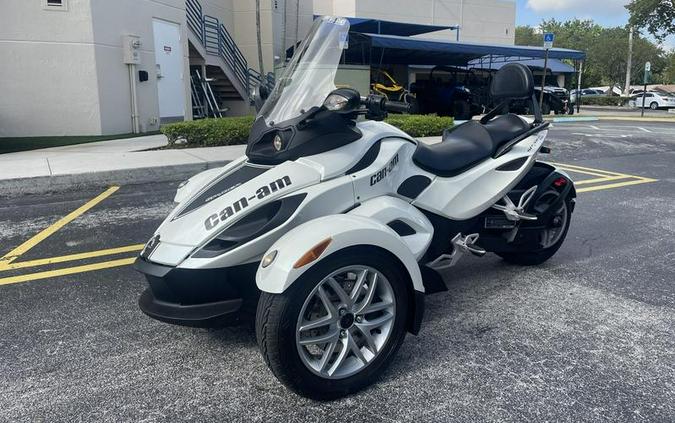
column 397, row 107
column 378, row 106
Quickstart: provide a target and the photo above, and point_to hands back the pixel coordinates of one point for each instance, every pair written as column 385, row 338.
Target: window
column 648, row 95
column 61, row 5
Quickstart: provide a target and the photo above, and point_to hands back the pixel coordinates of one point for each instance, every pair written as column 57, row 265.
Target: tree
column 605, row 48
column 657, row 16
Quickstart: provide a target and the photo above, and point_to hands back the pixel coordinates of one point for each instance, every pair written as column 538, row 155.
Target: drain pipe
column 135, row 118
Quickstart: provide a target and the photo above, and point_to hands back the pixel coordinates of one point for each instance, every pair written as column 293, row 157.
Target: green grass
column 12, row 145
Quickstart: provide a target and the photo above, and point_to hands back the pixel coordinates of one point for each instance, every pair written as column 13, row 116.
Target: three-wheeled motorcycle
column 334, row 225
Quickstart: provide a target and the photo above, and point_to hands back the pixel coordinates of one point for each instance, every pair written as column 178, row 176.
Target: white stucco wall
column 482, row 21
column 47, row 69
column 62, row 71
column 111, row 20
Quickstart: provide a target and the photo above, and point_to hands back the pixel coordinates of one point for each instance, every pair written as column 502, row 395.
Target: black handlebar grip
column 397, row 107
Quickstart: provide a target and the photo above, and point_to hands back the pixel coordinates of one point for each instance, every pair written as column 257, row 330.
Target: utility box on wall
column 131, row 46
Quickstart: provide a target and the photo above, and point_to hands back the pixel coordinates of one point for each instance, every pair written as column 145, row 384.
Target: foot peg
column 460, row 245
column 515, row 213
column 467, row 244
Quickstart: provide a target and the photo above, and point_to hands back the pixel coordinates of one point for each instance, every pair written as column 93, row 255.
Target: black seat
column 467, row 145
column 505, row 128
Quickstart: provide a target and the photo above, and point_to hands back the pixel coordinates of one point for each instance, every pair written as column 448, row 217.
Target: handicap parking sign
column 548, row 39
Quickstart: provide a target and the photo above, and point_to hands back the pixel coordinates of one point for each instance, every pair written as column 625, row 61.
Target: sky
column 604, row 12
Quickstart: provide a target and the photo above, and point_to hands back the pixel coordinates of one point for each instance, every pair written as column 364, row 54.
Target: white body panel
column 474, row 191
column 344, row 231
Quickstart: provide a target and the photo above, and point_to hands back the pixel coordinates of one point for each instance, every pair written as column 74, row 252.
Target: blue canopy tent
column 386, row 49
column 394, row 49
column 378, row 26
column 553, row 65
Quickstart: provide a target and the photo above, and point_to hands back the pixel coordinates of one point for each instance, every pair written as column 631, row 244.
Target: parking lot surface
column 588, row 336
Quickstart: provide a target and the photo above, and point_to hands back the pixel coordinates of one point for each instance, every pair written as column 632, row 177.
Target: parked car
column 653, row 100
column 586, row 93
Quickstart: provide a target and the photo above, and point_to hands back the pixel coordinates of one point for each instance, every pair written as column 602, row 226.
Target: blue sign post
column 549, row 37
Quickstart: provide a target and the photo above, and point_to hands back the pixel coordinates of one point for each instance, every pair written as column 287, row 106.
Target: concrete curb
column 63, row 183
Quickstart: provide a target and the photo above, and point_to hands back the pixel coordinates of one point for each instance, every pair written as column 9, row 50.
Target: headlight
column 277, row 142
column 335, row 102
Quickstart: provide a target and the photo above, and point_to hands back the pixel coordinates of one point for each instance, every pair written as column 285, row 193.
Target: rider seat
column 468, row 144
column 472, row 142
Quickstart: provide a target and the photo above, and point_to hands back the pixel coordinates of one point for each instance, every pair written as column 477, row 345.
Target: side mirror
column 260, row 94
column 343, row 101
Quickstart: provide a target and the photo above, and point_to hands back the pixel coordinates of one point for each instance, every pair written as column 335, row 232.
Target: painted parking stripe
column 67, row 271
column 596, row 180
column 45, row 233
column 73, row 257
column 616, row 185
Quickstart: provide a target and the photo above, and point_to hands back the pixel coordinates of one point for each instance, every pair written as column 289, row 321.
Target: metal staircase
column 217, row 41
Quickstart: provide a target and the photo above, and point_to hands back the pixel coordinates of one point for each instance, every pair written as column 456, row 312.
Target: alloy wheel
column 345, row 322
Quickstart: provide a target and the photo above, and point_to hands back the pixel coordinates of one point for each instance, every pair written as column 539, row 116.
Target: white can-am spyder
column 335, row 229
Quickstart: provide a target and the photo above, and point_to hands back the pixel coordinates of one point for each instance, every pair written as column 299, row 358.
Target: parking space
column 590, row 335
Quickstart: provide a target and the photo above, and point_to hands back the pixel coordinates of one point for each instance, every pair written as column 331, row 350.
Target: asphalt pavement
column 588, row 336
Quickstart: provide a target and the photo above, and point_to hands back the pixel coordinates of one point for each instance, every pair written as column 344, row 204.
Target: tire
column 279, row 333
column 654, row 105
column 532, row 257
column 545, row 108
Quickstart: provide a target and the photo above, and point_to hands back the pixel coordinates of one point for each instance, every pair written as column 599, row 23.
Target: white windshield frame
column 310, row 75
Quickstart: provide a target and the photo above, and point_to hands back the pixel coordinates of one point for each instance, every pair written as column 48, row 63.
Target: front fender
column 344, row 231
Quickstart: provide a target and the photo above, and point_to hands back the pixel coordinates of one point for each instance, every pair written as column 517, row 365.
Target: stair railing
column 217, row 41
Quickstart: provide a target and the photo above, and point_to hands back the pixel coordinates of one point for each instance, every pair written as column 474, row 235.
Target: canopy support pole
column 581, row 67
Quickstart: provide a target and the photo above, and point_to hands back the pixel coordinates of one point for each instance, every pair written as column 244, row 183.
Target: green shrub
column 604, row 101
column 235, row 130
column 209, row 132
column 420, row 125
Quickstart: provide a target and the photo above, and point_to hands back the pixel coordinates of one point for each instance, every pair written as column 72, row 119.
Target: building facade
column 96, row 67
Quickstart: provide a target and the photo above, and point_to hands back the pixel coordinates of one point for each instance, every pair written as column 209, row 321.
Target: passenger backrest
column 513, row 81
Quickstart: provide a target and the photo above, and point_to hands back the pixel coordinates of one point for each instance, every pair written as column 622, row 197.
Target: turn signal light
column 313, row 254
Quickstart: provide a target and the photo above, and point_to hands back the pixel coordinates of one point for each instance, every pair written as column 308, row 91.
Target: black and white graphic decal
column 245, row 201
column 382, row 173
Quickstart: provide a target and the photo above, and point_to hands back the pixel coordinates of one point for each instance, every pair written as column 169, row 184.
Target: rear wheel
column 654, row 105
column 338, row 326
column 545, row 108
column 549, row 239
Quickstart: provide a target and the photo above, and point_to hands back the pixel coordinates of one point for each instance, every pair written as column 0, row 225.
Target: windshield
column 310, row 75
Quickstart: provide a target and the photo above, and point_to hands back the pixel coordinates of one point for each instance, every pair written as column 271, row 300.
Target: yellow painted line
column 67, row 271
column 586, row 172
column 572, row 167
column 35, row 240
column 617, row 185
column 71, row 257
column 596, row 180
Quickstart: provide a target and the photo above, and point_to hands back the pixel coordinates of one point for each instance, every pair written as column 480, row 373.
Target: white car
column 653, row 100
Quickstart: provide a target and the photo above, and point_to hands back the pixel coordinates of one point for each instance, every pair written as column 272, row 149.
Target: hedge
column 209, row 132
column 235, row 130
column 604, row 101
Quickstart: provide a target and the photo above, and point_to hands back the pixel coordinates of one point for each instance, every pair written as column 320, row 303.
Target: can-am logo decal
column 243, row 202
column 382, row 173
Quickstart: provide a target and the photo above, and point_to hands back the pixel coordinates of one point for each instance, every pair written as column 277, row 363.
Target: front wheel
column 654, row 105
column 338, row 326
column 551, row 237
